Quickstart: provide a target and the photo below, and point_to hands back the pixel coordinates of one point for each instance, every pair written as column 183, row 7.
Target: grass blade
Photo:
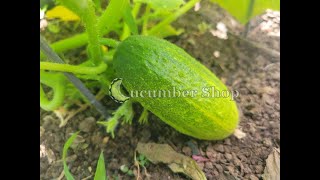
column 101, row 169
column 64, row 155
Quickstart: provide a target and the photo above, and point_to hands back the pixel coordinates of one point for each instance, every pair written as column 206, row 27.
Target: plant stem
column 90, row 21
column 73, row 42
column 136, row 9
column 74, row 80
column 126, row 30
column 56, row 82
column 97, row 4
column 248, row 16
column 73, row 68
column 112, row 14
column 173, row 17
column 109, row 42
column 145, row 21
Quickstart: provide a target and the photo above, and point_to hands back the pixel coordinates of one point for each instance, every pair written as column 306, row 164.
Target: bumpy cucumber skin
column 150, row 63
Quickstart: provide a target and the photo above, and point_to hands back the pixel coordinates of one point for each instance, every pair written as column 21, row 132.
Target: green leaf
column 77, row 6
column 261, row 5
column 53, row 28
column 110, row 124
column 124, row 168
column 143, row 119
column 244, row 10
column 125, row 111
column 163, row 4
column 113, row 13
column 97, row 4
column 130, row 21
column 101, row 169
column 130, row 173
column 64, row 155
column 167, row 31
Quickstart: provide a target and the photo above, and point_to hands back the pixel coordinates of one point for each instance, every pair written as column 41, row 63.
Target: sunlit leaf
column 113, row 13
column 163, row 4
column 167, row 31
column 77, row 6
column 244, row 10
column 62, row 13
column 53, row 28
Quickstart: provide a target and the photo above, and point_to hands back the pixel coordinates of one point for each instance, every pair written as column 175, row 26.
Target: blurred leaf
column 47, row 3
column 239, row 134
column 125, row 111
column 167, row 31
column 124, row 168
column 272, row 169
column 64, row 156
column 203, row 27
column 130, row 21
column 53, row 28
column 163, row 4
column 97, row 4
column 130, row 173
column 101, row 169
column 113, row 13
column 77, row 6
column 244, row 10
column 62, row 13
column 110, row 124
column 261, row 5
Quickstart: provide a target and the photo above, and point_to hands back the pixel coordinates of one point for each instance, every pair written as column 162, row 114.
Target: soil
column 253, row 71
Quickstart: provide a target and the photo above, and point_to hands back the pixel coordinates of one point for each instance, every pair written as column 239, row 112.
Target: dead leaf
column 239, row 134
column 42, row 130
column 51, row 156
column 200, row 158
column 197, row 6
column 178, row 163
column 272, row 169
column 43, row 152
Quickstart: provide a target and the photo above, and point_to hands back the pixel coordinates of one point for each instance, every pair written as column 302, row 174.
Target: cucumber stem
column 73, row 68
column 145, row 21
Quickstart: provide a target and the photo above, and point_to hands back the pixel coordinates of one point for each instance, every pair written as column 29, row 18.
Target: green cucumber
column 149, row 65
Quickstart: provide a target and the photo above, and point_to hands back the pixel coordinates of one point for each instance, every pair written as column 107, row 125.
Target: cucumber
column 154, row 71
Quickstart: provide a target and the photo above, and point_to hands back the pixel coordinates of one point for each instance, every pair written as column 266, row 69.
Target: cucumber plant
column 121, row 17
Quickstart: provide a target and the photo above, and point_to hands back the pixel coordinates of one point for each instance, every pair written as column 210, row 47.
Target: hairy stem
column 73, row 42
column 112, row 14
column 90, row 21
column 126, row 30
column 76, row 69
column 109, row 42
column 145, row 21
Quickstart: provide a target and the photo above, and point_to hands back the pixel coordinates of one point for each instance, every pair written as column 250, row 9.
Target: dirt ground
column 244, row 66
